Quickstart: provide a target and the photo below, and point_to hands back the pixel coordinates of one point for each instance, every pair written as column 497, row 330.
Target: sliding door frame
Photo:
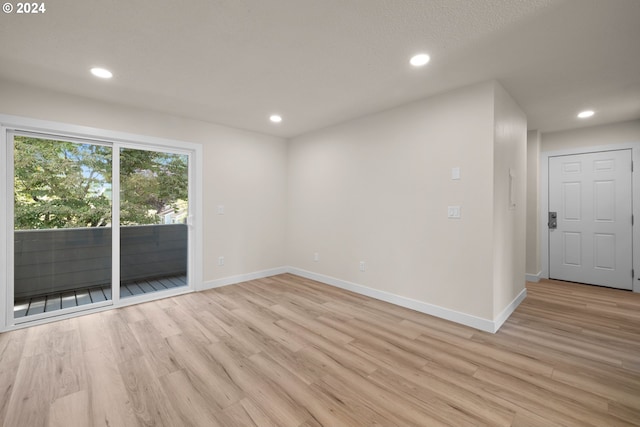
column 116, row 140
column 10, row 229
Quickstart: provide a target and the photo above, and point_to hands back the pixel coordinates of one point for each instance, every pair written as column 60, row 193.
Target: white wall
column 374, row 189
column 614, row 133
column 533, row 266
column 244, row 171
column 377, row 190
column 509, row 204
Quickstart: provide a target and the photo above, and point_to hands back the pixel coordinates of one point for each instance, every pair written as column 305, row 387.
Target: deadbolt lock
column 553, row 220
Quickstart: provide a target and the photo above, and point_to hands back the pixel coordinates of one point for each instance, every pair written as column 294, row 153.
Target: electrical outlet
column 316, row 257
column 363, row 266
column 221, row 260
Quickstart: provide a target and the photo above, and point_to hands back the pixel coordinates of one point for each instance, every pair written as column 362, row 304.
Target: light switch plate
column 453, row 212
column 455, row 173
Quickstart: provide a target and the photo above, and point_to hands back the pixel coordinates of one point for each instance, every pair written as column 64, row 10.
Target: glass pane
column 153, row 221
column 62, row 225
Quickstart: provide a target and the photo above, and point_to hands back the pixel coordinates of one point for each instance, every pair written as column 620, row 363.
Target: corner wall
column 509, row 204
column 243, row 171
column 376, row 190
column 533, row 266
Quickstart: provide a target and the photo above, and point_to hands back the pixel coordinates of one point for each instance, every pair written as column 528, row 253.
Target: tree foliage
column 60, row 184
column 151, row 182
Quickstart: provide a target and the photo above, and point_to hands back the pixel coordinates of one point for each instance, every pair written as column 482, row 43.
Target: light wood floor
column 286, row 351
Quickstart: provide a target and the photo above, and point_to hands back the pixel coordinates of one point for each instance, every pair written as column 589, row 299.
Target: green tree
column 150, row 182
column 60, row 184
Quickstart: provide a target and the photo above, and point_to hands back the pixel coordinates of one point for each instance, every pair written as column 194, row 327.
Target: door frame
column 117, row 140
column 543, row 201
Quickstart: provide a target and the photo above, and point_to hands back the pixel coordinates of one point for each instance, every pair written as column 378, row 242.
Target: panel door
column 591, row 194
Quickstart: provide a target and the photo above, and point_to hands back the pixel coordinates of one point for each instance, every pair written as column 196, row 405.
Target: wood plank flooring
column 286, row 351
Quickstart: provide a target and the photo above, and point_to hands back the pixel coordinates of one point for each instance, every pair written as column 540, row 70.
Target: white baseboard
column 533, row 277
column 232, row 280
column 423, row 307
column 502, row 317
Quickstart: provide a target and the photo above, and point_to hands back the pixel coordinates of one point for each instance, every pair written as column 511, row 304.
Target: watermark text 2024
column 24, row 8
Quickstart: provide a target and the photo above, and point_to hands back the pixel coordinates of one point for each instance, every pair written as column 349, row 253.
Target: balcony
column 61, row 268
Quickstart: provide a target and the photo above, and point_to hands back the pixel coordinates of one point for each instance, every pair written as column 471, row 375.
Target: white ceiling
column 322, row 62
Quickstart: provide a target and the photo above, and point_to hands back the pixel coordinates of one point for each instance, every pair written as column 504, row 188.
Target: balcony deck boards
column 145, row 286
column 167, row 283
column 69, row 300
column 57, row 301
column 178, row 280
column 97, row 295
column 82, row 297
column 53, row 302
column 135, row 289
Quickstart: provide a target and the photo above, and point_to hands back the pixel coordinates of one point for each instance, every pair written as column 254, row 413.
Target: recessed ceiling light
column 275, row 118
column 102, row 73
column 419, row 60
column 586, row 114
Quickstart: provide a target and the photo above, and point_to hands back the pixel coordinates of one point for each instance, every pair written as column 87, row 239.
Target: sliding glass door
column 154, row 207
column 95, row 223
column 62, row 210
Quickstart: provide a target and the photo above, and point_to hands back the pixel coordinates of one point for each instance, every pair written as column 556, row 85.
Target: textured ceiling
column 322, row 62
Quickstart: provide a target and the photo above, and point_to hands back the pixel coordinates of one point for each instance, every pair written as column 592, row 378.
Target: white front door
column 591, row 196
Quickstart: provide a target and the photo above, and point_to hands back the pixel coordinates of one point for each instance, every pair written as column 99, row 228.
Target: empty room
column 300, row 213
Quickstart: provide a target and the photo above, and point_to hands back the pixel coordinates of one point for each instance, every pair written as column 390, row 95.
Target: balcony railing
column 60, row 260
